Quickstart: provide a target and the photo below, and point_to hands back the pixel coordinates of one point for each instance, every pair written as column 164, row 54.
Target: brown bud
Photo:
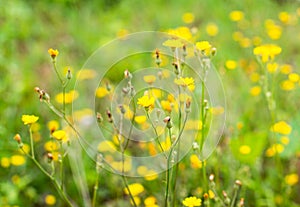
column 50, row 157
column 17, row 137
column 205, row 196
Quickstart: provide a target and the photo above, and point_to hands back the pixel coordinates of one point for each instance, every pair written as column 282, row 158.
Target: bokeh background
column 77, row 28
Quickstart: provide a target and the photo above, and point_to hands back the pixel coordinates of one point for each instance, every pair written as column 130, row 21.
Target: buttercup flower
column 145, row 101
column 59, row 135
column 186, row 82
column 236, row 16
column 173, row 43
column 135, row 189
column 192, row 201
column 53, row 53
column 267, row 52
column 29, row 119
column 282, row 127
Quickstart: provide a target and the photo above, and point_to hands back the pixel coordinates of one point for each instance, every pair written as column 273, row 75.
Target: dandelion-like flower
column 173, row 43
column 267, row 52
column 53, row 53
column 60, row 135
column 186, row 82
column 192, row 201
column 29, row 119
column 204, row 46
column 146, row 101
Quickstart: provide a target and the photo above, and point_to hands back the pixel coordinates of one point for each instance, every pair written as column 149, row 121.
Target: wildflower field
column 150, row 103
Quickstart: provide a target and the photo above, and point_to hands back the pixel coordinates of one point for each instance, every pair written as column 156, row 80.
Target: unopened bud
column 205, row 196
column 195, row 146
column 69, row 74
column 184, row 51
column 50, row 157
column 213, row 51
column 176, row 68
column 242, row 203
column 122, row 109
column 211, row 177
column 17, row 137
column 99, row 118
column 109, row 116
column 108, row 87
column 239, row 183
column 188, row 105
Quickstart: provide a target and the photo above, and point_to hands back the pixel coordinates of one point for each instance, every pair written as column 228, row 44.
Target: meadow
column 149, row 103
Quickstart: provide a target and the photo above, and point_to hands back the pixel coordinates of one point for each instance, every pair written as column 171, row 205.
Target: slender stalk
column 62, row 167
column 31, row 142
column 168, row 162
column 157, row 137
column 95, row 191
column 56, row 71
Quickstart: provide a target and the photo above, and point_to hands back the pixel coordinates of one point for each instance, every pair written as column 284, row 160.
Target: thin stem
column 157, row 137
column 168, row 162
column 56, row 71
column 128, row 189
column 62, row 167
column 95, row 190
column 31, row 142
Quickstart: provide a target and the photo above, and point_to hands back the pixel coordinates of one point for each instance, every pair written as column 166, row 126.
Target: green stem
column 168, row 175
column 168, row 162
column 31, row 142
column 157, row 137
column 128, row 189
column 95, row 190
column 56, row 71
column 62, row 167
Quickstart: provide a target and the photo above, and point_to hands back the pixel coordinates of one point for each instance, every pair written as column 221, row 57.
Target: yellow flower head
column 135, row 189
column 267, row 51
column 101, row 92
column 29, row 119
column 291, row 179
column 192, row 201
column 245, row 149
column 50, row 200
column 212, row 29
column 69, row 97
column 281, row 127
column 149, row 79
column 203, row 45
column 173, row 43
column 188, row 17
column 53, row 126
column 236, row 16
column 231, row 64
column 182, row 32
column 255, row 90
column 53, row 53
column 17, row 160
column 60, row 135
column 145, row 101
column 186, row 82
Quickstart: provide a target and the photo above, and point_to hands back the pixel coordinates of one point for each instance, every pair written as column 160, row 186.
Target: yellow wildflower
column 151, row 175
column 53, row 53
column 149, row 79
column 60, row 135
column 135, row 189
column 188, row 17
column 146, row 102
column 17, row 160
column 256, row 41
column 231, row 64
column 182, row 32
column 267, row 51
column 106, row 146
column 255, row 90
column 245, row 149
column 237, row 36
column 122, row 33
column 5, row 162
column 212, row 29
column 192, row 201
column 29, row 119
column 101, row 92
column 86, row 74
column 150, row 201
column 286, row 69
column 53, row 125
column 166, row 105
column 195, row 162
column 294, row 77
column 236, row 15
column 50, row 200
column 245, row 42
column 140, row 119
column 186, row 82
column 173, row 43
column 291, row 179
column 272, row 67
column 284, row 17
column 285, row 140
column 51, row 146
column 281, row 127
column 211, row 194
column 204, row 46
column 287, row 85
column 69, row 97
column 275, row 148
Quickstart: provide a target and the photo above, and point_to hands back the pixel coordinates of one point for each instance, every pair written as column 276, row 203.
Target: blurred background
column 78, row 28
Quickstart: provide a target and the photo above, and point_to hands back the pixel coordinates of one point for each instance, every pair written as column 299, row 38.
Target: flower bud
column 17, row 137
column 122, row 109
column 109, row 116
column 50, row 157
column 69, row 74
column 213, row 51
column 99, row 118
